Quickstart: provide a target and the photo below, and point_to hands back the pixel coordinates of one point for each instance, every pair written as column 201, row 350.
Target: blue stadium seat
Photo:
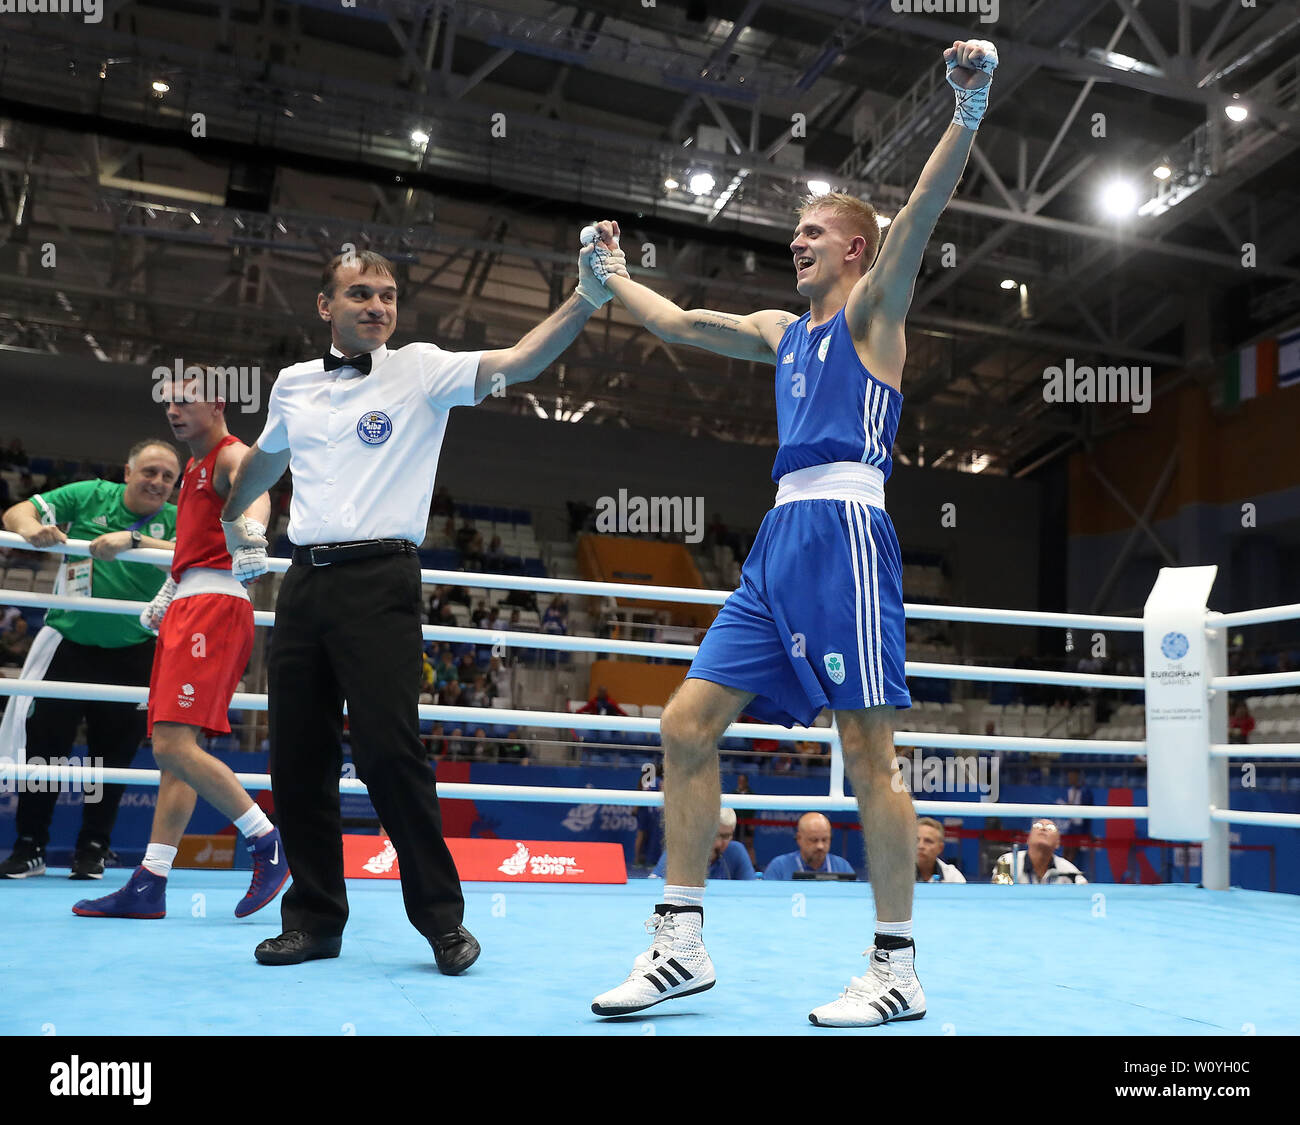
column 534, row 568
column 440, row 559
column 521, row 515
column 499, row 515
column 44, row 465
column 480, row 512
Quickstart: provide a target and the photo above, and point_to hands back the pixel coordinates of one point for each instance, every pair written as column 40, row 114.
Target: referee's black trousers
column 351, row 631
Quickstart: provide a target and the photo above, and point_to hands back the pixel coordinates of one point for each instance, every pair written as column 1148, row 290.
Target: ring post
column 1215, row 866
column 1178, row 669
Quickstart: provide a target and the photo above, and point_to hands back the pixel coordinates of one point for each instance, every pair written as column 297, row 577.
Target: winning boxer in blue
column 818, row 619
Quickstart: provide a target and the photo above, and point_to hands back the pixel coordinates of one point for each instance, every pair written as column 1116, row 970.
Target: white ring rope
column 556, row 642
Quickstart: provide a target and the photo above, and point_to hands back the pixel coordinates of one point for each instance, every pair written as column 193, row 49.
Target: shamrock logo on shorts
column 834, row 662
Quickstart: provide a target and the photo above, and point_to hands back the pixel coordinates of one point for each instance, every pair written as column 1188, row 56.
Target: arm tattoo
column 720, row 322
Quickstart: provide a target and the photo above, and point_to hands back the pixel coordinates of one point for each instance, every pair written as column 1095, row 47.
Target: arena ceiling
column 378, row 124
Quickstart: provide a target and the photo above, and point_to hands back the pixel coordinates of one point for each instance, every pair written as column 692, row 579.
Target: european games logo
column 1174, row 645
column 374, row 427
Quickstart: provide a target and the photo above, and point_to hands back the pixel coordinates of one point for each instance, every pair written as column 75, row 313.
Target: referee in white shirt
column 361, row 431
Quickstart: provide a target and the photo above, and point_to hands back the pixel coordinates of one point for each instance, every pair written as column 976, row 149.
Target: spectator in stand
column 481, row 618
column 26, row 488
column 442, row 503
column 458, row 595
column 468, row 669
column 451, row 694
column 469, row 542
column 445, row 670
column 812, row 837
column 553, row 620
column 436, row 601
column 579, row 514
column 495, row 556
column 15, row 456
column 1038, row 861
column 1075, row 794
column 602, row 704
column 500, row 680
column 427, row 681
column 15, row 643
column 728, row 860
column 478, row 695
column 1241, row 724
column 524, row 599
column 929, row 847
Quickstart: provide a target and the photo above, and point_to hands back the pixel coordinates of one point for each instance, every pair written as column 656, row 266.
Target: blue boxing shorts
column 818, row 618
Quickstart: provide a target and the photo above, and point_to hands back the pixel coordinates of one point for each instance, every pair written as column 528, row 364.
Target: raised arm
column 754, row 336
column 541, row 347
column 878, row 305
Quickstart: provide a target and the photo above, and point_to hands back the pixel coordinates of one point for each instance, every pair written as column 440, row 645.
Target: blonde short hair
column 727, row 819
column 856, row 214
column 930, row 822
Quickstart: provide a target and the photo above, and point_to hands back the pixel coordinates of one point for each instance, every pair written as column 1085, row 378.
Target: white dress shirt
column 947, row 873
column 1061, row 870
column 363, row 449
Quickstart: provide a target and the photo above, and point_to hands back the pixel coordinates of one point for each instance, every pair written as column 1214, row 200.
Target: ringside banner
column 497, row 861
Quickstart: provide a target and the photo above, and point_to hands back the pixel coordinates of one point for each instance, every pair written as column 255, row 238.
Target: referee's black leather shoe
column 293, row 947
column 455, row 951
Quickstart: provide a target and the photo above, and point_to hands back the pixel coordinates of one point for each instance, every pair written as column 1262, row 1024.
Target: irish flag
column 1250, row 372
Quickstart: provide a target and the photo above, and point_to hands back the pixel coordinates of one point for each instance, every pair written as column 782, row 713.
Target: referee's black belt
column 331, row 554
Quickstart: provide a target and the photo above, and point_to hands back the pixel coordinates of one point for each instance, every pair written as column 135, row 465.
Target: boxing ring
column 1098, row 959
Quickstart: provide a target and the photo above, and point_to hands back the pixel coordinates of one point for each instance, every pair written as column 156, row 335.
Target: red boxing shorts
column 203, row 648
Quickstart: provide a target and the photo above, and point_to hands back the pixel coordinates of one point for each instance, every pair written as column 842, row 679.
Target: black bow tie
column 360, row 362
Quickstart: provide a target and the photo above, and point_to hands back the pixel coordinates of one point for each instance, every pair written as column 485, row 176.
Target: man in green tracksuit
column 81, row 647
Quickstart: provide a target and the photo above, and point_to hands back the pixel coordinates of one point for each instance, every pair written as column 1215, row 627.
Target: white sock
column 158, row 859
column 901, row 961
column 253, row 823
column 689, row 924
column 895, row 929
column 684, row 896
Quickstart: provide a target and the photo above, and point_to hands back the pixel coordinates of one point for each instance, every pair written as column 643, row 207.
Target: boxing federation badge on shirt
column 374, row 427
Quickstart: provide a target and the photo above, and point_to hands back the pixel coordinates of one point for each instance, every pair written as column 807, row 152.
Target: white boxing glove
column 246, row 542
column 151, row 617
column 973, row 102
